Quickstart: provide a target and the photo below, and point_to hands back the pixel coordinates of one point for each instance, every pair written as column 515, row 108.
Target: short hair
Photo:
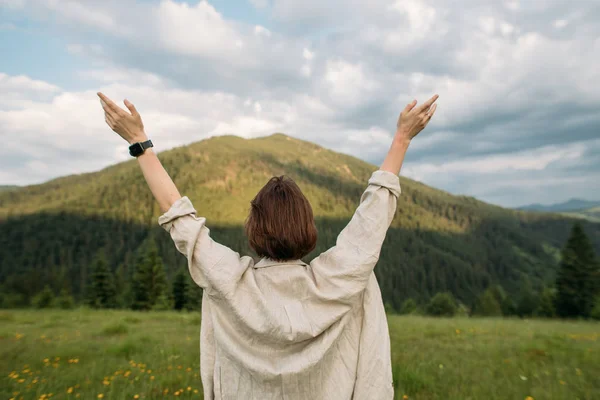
column 281, row 225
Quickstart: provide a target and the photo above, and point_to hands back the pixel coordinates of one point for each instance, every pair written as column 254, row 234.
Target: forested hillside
column 7, row 187
column 51, row 233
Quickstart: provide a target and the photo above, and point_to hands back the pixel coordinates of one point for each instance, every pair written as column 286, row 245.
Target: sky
column 518, row 118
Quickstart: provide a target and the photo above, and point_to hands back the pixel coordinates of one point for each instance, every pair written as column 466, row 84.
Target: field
column 128, row 355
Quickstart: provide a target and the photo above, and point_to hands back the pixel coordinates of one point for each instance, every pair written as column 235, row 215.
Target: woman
column 281, row 328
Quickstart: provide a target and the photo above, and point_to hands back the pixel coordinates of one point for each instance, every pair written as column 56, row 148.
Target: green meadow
column 91, row 354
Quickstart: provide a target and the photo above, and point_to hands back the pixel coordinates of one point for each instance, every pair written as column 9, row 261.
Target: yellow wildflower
column 195, row 390
column 100, row 396
column 137, row 396
column 177, row 393
column 528, row 398
column 188, row 369
column 405, row 397
column 21, row 380
column 149, row 371
column 70, row 390
column 152, row 378
column 189, row 388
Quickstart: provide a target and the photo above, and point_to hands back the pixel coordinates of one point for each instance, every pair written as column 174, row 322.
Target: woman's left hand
column 129, row 126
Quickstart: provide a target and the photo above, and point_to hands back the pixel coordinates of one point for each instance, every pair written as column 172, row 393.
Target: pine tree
column 576, row 281
column 546, row 306
column 180, row 291
column 149, row 279
column 487, row 304
column 508, row 306
column 528, row 301
column 44, row 299
column 194, row 296
column 65, row 300
column 102, row 289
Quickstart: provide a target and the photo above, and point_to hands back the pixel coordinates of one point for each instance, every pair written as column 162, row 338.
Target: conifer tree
column 149, row 279
column 487, row 304
column 180, row 291
column 44, row 299
column 102, row 292
column 546, row 306
column 528, row 302
column 576, row 280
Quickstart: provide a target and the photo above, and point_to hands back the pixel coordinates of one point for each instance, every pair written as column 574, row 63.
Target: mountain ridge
column 573, row 204
column 437, row 241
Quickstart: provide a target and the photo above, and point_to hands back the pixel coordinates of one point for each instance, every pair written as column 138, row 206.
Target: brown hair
column 281, row 224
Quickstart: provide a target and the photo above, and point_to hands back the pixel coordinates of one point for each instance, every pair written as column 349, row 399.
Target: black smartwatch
column 137, row 149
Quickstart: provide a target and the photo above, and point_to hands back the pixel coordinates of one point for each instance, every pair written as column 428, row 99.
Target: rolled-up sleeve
column 214, row 267
column 342, row 272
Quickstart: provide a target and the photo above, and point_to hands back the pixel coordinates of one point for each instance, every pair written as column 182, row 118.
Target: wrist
column 138, row 138
column 401, row 141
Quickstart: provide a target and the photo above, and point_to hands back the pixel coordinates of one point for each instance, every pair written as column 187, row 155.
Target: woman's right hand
column 414, row 119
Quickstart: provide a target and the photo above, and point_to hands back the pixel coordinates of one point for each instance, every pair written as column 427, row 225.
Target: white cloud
column 348, row 83
column 261, row 30
column 307, row 54
column 24, row 83
column 197, row 30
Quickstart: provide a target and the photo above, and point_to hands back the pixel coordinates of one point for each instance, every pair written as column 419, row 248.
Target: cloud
column 517, row 83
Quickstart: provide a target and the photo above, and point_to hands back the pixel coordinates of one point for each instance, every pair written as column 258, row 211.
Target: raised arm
column 214, row 267
column 342, row 272
column 131, row 128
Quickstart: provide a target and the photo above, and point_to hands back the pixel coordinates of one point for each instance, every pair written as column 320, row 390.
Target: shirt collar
column 267, row 262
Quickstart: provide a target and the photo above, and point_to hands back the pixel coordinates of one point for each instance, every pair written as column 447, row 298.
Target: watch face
column 136, row 149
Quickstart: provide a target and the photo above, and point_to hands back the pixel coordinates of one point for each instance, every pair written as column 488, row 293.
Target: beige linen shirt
column 291, row 330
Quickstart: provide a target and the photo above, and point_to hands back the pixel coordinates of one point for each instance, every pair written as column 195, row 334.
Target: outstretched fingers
column 425, row 106
column 109, row 106
column 432, row 111
column 130, row 107
column 410, row 106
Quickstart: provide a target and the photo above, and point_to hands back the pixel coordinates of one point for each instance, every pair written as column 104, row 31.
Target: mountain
column 592, row 214
column 576, row 208
column 50, row 233
column 570, row 205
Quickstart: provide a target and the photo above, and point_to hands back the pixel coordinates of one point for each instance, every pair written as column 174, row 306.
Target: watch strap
column 137, row 149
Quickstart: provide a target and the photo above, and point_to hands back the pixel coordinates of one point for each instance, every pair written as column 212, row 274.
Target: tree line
column 575, row 293
column 146, row 289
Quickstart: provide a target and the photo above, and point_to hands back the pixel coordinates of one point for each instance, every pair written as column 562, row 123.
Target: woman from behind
column 281, row 328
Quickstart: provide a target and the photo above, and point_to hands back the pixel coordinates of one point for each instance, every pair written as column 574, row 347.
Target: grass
column 120, row 354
